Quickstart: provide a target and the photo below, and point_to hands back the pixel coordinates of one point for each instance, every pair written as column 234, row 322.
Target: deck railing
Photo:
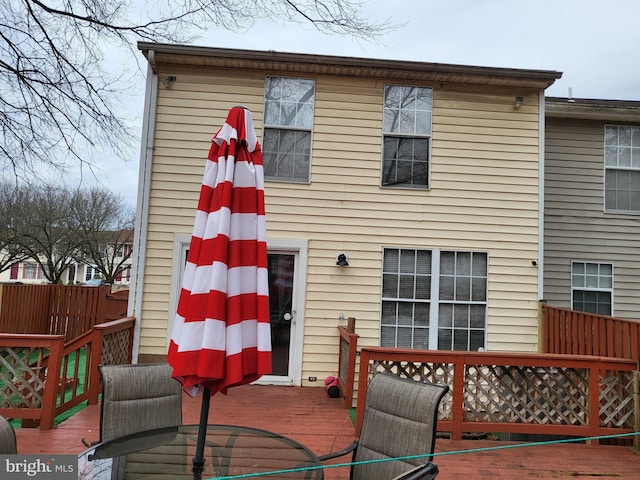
column 25, row 391
column 565, row 331
column 347, row 364
column 29, row 363
column 571, row 395
column 114, row 346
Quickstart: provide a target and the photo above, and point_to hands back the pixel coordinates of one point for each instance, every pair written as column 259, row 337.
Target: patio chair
column 400, row 420
column 8, row 443
column 136, row 398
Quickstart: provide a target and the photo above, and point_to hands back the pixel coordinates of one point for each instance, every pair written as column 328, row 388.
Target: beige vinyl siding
column 483, row 197
column 576, row 227
column 188, row 115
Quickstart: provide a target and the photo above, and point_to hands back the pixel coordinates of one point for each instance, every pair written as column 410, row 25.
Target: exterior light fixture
column 342, row 260
column 518, row 102
column 170, row 80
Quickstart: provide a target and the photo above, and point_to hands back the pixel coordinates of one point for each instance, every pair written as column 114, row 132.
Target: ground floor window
column 30, row 271
column 434, row 299
column 90, row 273
column 592, row 287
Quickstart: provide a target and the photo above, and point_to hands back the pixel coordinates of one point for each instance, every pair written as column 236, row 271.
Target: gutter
column 142, row 210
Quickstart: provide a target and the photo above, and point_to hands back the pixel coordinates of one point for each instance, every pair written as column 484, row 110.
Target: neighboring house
column 592, row 206
column 26, row 271
column 427, row 176
column 29, row 271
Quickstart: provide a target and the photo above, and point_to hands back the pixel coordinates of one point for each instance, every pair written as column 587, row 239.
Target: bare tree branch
column 58, row 99
column 10, row 249
column 57, row 227
column 106, row 229
column 45, row 228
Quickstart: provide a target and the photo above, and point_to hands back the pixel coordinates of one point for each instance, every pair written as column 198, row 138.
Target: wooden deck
column 311, row 417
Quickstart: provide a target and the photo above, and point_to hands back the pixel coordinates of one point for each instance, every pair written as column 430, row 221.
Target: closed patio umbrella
column 221, row 336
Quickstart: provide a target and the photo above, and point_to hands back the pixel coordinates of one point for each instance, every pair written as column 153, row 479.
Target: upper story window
column 288, row 123
column 433, row 299
column 592, row 287
column 622, row 169
column 407, row 135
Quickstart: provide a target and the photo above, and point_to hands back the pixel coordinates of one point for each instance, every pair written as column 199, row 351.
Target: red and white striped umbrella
column 221, row 335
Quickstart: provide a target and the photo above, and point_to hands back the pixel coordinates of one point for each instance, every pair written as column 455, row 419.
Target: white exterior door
column 286, row 297
column 287, row 260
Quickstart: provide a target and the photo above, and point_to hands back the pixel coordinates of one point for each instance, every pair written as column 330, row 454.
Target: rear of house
column 425, row 176
column 592, row 206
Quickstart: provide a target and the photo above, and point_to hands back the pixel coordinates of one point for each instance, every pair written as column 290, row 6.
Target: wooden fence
column 69, row 310
column 117, row 305
column 41, row 376
column 581, row 396
column 565, row 331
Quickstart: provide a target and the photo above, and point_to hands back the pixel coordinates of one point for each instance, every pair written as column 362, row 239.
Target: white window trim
column 429, row 136
column 295, row 129
column 587, row 289
column 434, row 300
column 612, row 168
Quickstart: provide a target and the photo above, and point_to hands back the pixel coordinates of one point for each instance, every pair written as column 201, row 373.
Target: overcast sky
column 594, row 43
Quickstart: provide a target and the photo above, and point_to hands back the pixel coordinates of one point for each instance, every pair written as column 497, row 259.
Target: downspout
column 142, row 211
column 541, row 146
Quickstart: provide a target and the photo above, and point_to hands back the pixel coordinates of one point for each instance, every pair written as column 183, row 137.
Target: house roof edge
column 593, row 109
column 303, row 63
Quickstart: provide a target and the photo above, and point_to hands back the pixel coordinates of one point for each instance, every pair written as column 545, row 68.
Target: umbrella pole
column 198, row 460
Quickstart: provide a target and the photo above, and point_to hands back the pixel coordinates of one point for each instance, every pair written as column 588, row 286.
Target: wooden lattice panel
column 115, row 347
column 21, row 377
column 439, row 373
column 616, row 399
column 344, row 358
column 526, row 395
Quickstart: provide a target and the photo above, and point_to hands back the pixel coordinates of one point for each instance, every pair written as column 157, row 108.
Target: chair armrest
column 87, row 444
column 428, row 471
column 346, row 451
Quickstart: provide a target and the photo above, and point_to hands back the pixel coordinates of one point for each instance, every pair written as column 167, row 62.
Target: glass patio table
column 230, row 450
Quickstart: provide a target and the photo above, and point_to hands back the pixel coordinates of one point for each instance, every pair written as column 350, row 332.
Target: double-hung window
column 30, row 271
column 288, row 123
column 592, row 287
column 622, row 169
column 406, row 136
column 90, row 273
column 434, row 299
